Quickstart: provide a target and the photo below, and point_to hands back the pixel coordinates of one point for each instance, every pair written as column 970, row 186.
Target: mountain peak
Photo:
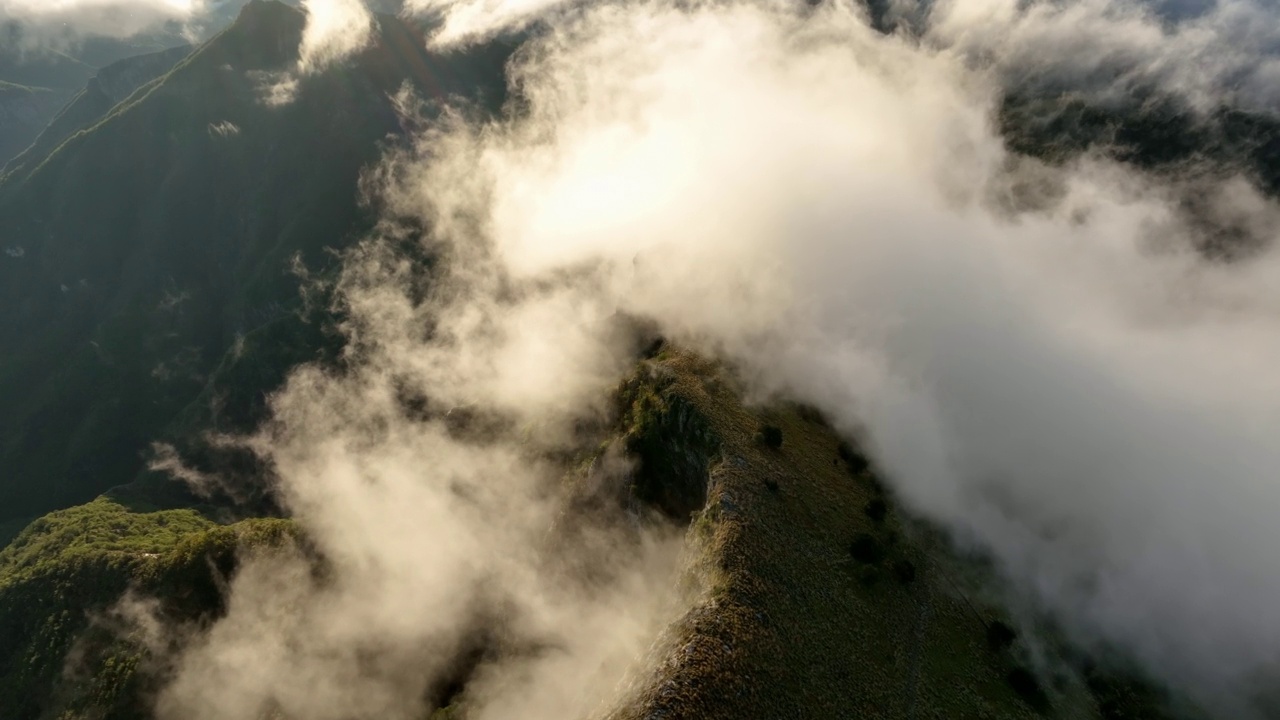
column 265, row 15
column 263, row 8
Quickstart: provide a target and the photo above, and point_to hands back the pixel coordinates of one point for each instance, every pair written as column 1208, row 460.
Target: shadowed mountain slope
column 23, row 112
column 143, row 247
column 36, row 82
column 113, row 84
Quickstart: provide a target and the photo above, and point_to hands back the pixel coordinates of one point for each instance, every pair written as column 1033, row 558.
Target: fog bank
column 1070, row 388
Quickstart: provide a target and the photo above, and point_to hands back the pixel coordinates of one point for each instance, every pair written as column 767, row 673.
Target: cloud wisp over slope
column 1071, row 388
column 336, row 28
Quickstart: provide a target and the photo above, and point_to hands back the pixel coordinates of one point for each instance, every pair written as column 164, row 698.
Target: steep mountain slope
column 113, row 84
column 23, row 112
column 51, row 76
column 48, row 69
column 825, row 599
column 122, row 290
column 33, row 87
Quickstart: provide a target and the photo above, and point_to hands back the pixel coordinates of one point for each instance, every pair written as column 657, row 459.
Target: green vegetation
column 61, row 578
column 159, row 304
column 672, row 442
column 101, row 527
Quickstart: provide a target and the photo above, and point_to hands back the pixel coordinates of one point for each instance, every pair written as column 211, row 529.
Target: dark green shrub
column 654, row 347
column 869, row 576
column 1000, row 636
column 770, row 436
column 811, row 414
column 904, row 571
column 1024, row 683
column 673, row 444
column 866, row 549
column 877, row 510
column 852, row 458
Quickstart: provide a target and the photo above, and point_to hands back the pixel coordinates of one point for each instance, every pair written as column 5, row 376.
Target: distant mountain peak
column 260, row 17
column 256, row 11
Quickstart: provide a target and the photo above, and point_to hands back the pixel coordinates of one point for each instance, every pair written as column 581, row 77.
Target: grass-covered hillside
column 62, row 652
column 825, row 600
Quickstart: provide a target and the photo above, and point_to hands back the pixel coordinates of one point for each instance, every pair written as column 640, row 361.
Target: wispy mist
column 335, row 29
column 1224, row 51
column 1075, row 390
column 447, row 552
column 1072, row 389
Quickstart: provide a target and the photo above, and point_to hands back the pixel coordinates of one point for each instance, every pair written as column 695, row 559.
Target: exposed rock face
column 673, row 444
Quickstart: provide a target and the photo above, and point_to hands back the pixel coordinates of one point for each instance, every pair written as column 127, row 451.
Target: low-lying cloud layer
column 40, row 23
column 1072, row 389
column 448, row 555
column 336, row 28
column 426, row 478
column 1226, row 51
column 1205, row 51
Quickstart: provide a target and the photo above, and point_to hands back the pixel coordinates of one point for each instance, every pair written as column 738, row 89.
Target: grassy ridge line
column 121, row 109
column 793, row 626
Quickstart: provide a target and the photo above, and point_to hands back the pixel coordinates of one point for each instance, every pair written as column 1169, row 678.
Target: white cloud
column 1074, row 390
column 437, row 545
column 335, row 30
column 1229, row 53
column 467, row 21
column 65, row 20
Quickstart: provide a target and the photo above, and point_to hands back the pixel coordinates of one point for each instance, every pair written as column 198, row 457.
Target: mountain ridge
column 112, row 85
